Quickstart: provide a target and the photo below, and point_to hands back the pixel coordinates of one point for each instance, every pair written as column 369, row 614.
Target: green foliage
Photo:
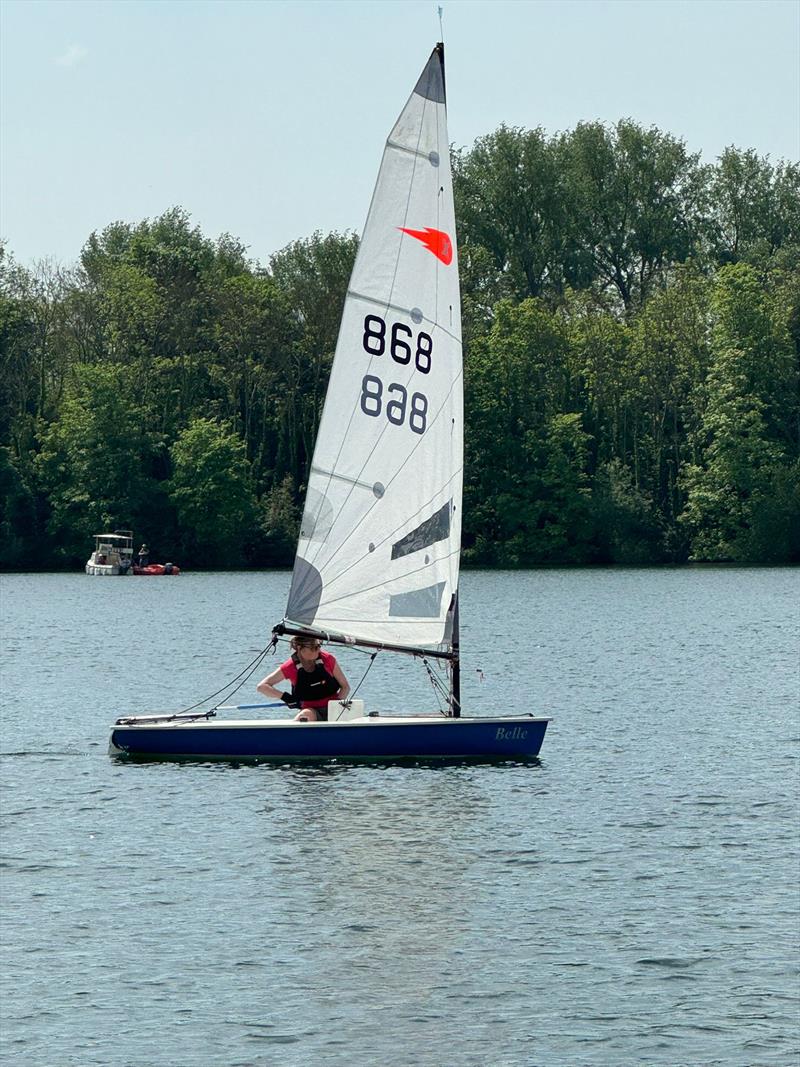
column 279, row 526
column 314, row 275
column 525, row 502
column 668, row 359
column 18, row 526
column 212, row 493
column 510, row 201
column 632, row 193
column 631, row 325
column 607, row 209
column 255, row 343
column 94, row 460
column 600, row 364
column 753, row 206
column 742, row 502
column 627, row 526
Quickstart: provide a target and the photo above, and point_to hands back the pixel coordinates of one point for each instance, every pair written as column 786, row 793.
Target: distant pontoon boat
column 113, row 553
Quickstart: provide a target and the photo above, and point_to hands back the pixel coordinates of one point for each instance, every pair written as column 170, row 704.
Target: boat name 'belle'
column 515, row 734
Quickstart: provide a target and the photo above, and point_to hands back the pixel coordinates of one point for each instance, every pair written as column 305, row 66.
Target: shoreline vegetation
column 631, row 324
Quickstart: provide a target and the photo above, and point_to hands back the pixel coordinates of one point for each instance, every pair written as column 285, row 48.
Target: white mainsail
column 378, row 555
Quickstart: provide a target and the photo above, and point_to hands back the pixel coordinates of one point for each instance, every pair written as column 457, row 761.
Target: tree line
column 631, row 339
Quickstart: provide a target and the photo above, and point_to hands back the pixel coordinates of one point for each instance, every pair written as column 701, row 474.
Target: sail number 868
column 374, row 342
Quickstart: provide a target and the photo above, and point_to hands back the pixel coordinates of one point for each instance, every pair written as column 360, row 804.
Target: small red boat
column 157, row 568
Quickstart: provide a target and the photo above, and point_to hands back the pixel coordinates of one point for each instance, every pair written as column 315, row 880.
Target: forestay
column 378, row 554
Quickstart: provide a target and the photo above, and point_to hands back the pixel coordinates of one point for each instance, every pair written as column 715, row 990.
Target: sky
column 266, row 119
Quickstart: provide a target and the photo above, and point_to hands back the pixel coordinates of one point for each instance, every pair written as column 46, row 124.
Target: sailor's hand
column 289, row 700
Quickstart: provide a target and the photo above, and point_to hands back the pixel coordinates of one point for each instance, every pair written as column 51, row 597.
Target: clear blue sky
column 267, row 119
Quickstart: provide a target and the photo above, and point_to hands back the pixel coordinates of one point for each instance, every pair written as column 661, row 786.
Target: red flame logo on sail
column 435, row 241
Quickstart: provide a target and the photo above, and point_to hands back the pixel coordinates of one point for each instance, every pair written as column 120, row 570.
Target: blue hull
column 490, row 739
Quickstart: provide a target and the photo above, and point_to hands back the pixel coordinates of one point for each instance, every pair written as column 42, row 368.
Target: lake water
column 632, row 899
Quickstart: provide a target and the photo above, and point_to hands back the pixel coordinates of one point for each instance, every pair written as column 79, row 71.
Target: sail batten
column 415, row 313
column 405, row 148
column 378, row 554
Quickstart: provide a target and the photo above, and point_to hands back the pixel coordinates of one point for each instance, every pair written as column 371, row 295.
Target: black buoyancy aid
column 313, row 685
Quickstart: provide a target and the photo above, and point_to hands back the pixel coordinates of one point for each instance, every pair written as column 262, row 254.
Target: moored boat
column 112, row 555
column 156, row 569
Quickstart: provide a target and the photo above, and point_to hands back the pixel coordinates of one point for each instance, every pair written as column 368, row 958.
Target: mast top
column 431, row 81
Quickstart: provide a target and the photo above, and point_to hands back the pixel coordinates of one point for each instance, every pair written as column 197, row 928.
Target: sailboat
column 377, row 562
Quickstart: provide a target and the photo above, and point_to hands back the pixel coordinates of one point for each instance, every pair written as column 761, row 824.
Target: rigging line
column 434, row 683
column 249, row 675
column 444, row 693
column 242, row 677
column 334, row 552
column 364, row 675
column 247, row 671
column 387, row 305
column 394, row 532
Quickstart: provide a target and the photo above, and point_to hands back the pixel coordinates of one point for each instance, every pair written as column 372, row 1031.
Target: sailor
column 315, row 677
column 144, row 556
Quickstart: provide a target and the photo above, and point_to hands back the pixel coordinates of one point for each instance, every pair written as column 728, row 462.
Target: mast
column 455, row 665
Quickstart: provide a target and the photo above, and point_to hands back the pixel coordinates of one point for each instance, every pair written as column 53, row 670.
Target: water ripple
column 631, row 899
